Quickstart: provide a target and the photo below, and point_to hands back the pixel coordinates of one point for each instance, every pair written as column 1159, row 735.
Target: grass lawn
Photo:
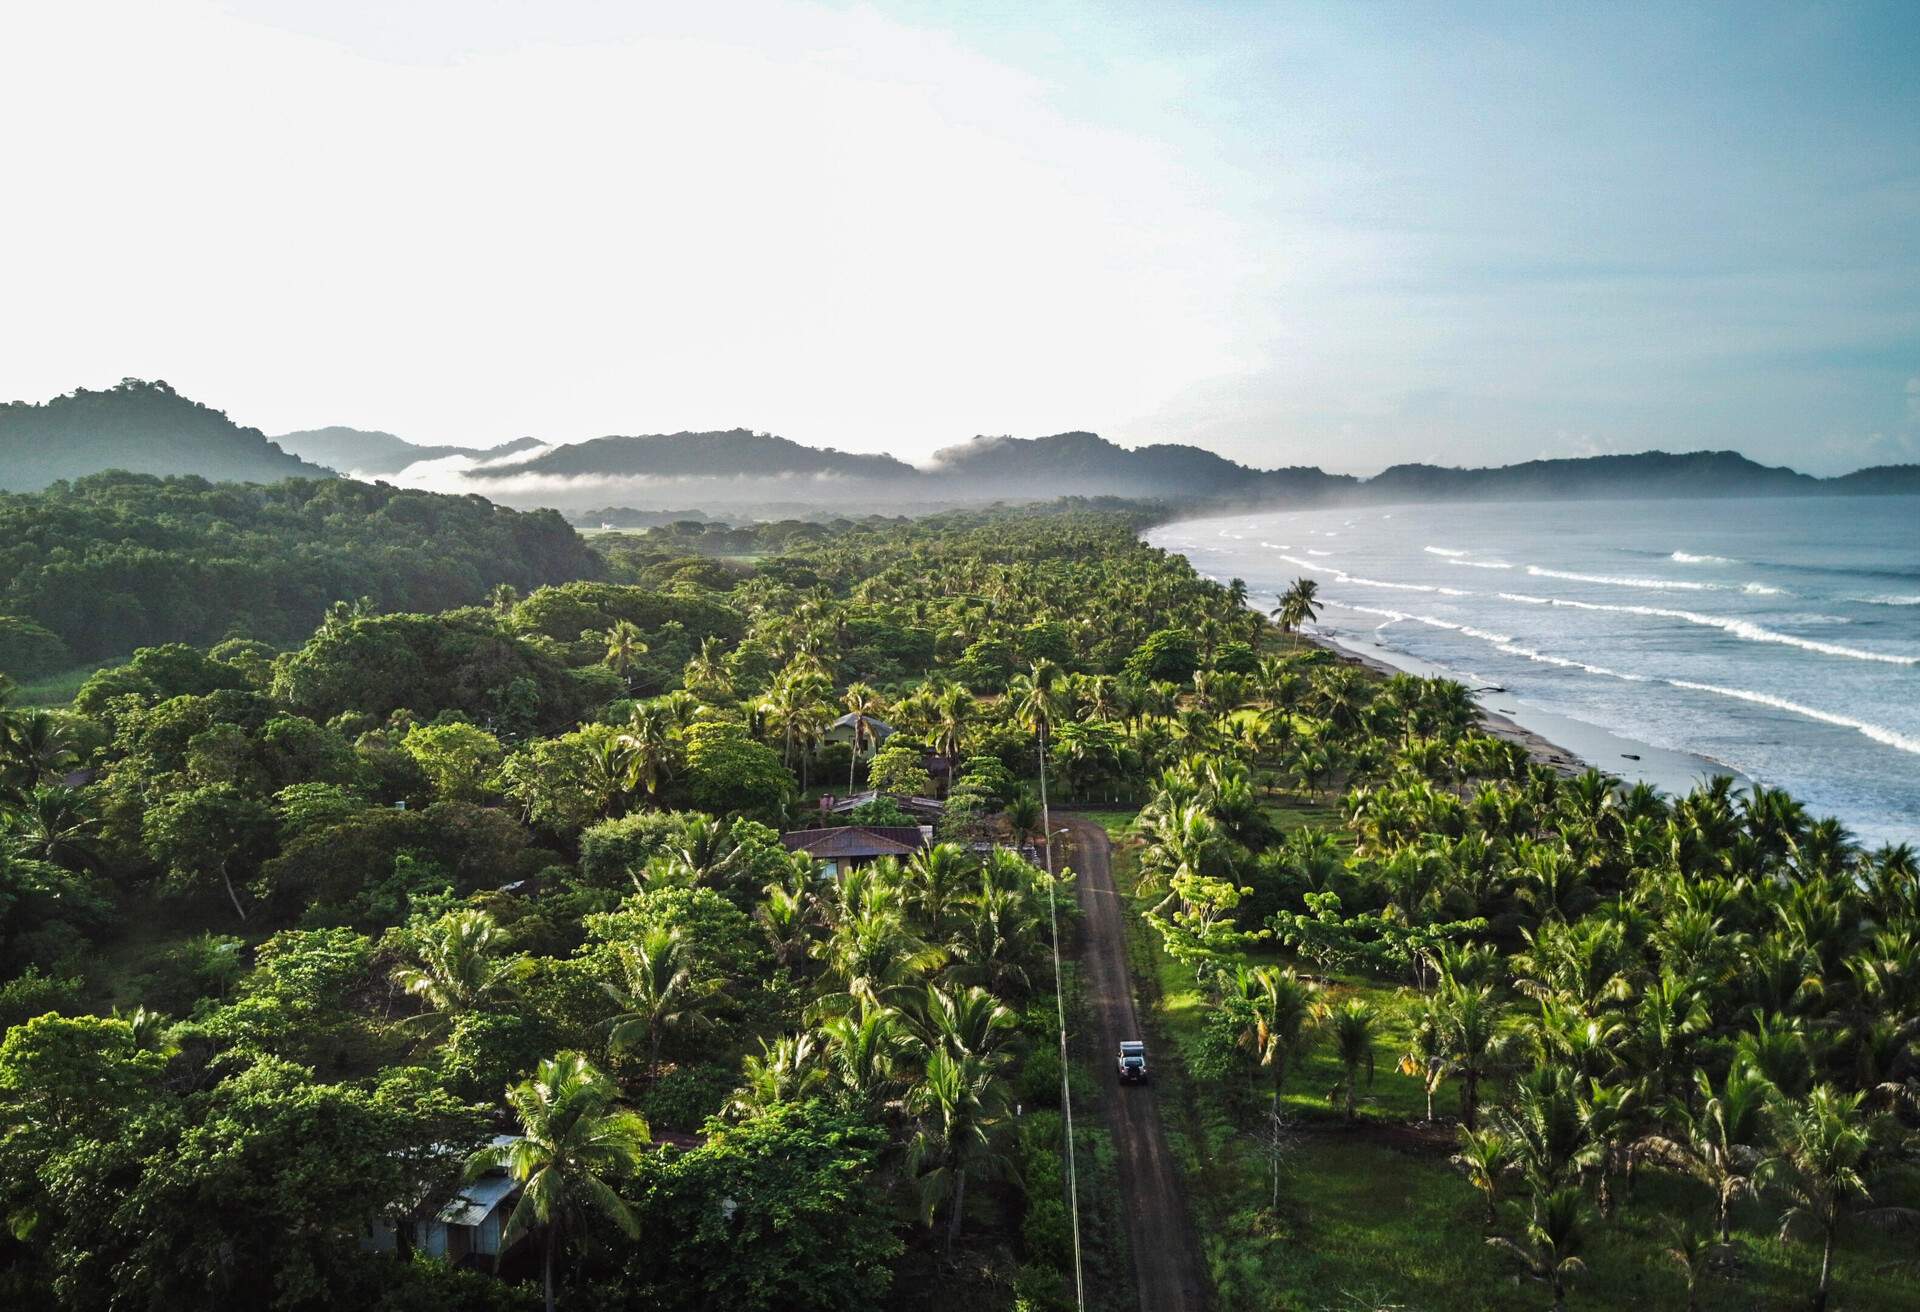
column 55, row 689
column 1372, row 1216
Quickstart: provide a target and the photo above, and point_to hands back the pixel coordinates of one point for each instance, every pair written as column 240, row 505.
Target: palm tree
column 574, row 1141
column 968, row 1024
column 1474, row 1043
column 1035, row 700
column 661, row 993
column 1549, row 1128
column 34, row 749
column 1718, row 1143
column 1351, row 1025
column 867, row 1056
column 625, row 647
column 51, row 823
column 1823, row 1147
column 785, row 1071
column 788, row 917
column 1486, row 1156
column 998, row 939
column 1426, row 1056
column 1299, row 604
column 461, row 968
column 952, row 712
column 961, row 1109
column 1692, row 1250
column 935, row 875
column 648, row 743
column 1551, row 1252
column 864, row 707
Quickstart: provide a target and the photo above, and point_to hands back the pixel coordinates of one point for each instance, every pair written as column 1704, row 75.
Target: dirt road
column 1166, row 1261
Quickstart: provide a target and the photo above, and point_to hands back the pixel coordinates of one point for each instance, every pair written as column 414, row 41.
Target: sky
column 1342, row 235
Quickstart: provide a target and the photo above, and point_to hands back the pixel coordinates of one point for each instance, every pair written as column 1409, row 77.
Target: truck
column 1132, row 1063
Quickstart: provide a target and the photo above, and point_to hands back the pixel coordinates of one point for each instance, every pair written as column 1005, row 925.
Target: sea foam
column 1873, row 731
column 1746, row 629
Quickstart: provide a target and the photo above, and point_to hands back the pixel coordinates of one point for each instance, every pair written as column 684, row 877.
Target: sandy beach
column 1584, row 745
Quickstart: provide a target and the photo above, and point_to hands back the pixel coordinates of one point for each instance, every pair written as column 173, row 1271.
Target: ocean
column 1777, row 638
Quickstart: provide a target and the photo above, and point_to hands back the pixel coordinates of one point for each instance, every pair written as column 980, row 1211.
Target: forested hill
column 106, row 564
column 1645, row 474
column 736, row 453
column 145, row 427
column 1086, row 464
column 358, row 451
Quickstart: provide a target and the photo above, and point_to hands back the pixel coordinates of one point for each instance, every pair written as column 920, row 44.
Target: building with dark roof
column 846, row 846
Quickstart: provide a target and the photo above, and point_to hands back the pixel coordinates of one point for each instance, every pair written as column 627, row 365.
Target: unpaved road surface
column 1166, row 1261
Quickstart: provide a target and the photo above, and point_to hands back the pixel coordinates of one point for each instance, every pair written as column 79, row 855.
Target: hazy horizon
column 1326, row 236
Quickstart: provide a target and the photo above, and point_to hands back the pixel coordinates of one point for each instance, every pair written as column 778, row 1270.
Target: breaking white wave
column 1887, row 600
column 1616, row 581
column 1482, row 564
column 1529, row 653
column 1443, row 551
column 1312, row 552
column 1762, row 590
column 1276, row 546
column 1688, row 558
column 1873, row 731
column 1401, row 615
column 1405, row 587
column 1500, row 641
column 1738, row 628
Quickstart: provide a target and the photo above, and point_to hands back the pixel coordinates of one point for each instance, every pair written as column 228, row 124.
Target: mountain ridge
column 147, row 427
column 371, row 451
column 139, row 426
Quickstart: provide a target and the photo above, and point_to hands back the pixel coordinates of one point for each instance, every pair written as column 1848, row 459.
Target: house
column 853, row 728
column 847, row 846
column 465, row 1227
column 920, row 808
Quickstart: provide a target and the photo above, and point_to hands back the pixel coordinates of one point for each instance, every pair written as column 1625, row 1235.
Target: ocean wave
column 1312, row 552
column 1405, row 587
column 1738, row 628
column 1397, row 616
column 1616, row 581
column 1482, row 564
column 1514, row 649
column 1762, row 590
column 1887, row 599
column 1500, row 641
column 1687, row 558
column 1276, row 546
column 1443, row 551
column 1876, row 732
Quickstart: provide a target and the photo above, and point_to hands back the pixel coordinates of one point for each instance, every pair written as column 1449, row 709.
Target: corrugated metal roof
column 859, row 840
column 471, row 1205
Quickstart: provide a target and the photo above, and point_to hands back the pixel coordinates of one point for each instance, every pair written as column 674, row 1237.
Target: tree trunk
column 233, row 896
column 1826, row 1271
column 547, row 1267
column 959, row 1208
column 1469, row 1099
column 1273, row 1148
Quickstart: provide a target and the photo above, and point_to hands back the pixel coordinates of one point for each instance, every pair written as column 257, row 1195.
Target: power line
column 1066, row 1084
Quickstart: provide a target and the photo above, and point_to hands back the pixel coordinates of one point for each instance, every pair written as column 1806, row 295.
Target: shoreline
column 1672, row 772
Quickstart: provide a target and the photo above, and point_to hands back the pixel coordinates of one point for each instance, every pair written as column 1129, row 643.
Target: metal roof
column 859, row 840
column 471, row 1205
